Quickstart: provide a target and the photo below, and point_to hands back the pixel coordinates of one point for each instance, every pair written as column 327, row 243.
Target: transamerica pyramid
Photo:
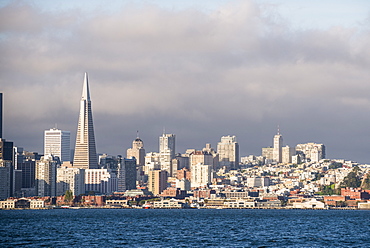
column 85, row 151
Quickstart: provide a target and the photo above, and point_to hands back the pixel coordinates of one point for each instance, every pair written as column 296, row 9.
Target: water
column 184, row 228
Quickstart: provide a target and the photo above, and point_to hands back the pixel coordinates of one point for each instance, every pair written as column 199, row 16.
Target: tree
column 68, row 196
column 352, row 180
column 366, row 182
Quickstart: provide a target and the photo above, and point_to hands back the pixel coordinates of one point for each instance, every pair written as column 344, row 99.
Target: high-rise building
column 6, row 168
column 46, row 176
column 69, row 178
column 157, row 181
column 166, row 151
column 85, row 156
column 277, row 148
column 127, row 174
column 137, row 151
column 228, row 152
column 287, row 154
column 201, row 175
column 57, row 143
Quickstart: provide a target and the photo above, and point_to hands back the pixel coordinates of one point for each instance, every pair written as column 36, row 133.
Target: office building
column 1, row 115
column 228, row 152
column 127, row 175
column 6, row 169
column 287, row 154
column 85, row 156
column 166, row 151
column 137, row 151
column 46, row 176
column 58, row 144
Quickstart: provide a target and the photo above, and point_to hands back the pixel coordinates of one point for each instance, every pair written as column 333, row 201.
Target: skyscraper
column 277, row 149
column 46, row 176
column 85, row 151
column 167, row 151
column 57, row 143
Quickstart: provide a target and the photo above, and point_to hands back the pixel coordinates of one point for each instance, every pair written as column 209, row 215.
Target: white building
column 45, row 176
column 287, row 154
column 69, row 178
column 58, row 143
column 166, row 151
column 201, row 175
column 228, row 152
column 101, row 181
column 277, row 148
column 312, row 151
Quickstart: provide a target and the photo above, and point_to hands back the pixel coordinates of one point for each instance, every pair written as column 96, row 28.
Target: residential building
column 100, row 181
column 312, row 152
column 228, row 152
column 201, row 175
column 85, row 156
column 58, row 144
column 287, row 154
column 157, row 181
column 70, row 178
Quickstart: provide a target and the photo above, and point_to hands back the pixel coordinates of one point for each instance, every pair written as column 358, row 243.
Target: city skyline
column 234, row 68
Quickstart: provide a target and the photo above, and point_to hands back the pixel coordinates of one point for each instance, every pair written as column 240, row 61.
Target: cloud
column 240, row 69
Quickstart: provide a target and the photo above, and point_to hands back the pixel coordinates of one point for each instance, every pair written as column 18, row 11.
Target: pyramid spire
column 85, row 90
column 85, row 151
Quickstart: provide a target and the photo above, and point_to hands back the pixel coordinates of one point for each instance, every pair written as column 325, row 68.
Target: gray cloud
column 240, row 69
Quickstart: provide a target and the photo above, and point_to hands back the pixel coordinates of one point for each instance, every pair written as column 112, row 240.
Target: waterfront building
column 157, row 181
column 277, row 148
column 70, row 178
column 228, row 152
column 101, row 181
column 58, row 144
column 85, row 156
column 312, row 151
column 45, row 176
column 127, row 174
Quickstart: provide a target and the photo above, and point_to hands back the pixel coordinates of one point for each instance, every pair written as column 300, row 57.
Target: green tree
column 352, row 180
column 68, row 196
column 366, row 182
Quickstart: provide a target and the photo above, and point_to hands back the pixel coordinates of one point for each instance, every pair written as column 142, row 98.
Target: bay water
column 184, row 228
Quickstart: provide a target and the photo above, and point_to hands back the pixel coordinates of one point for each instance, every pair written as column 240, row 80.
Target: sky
column 197, row 69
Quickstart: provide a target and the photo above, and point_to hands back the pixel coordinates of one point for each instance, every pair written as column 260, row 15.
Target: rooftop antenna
column 164, row 130
column 278, row 130
column 137, row 133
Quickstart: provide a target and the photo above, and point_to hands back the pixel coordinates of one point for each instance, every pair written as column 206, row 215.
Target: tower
column 57, row 143
column 277, row 149
column 85, row 151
